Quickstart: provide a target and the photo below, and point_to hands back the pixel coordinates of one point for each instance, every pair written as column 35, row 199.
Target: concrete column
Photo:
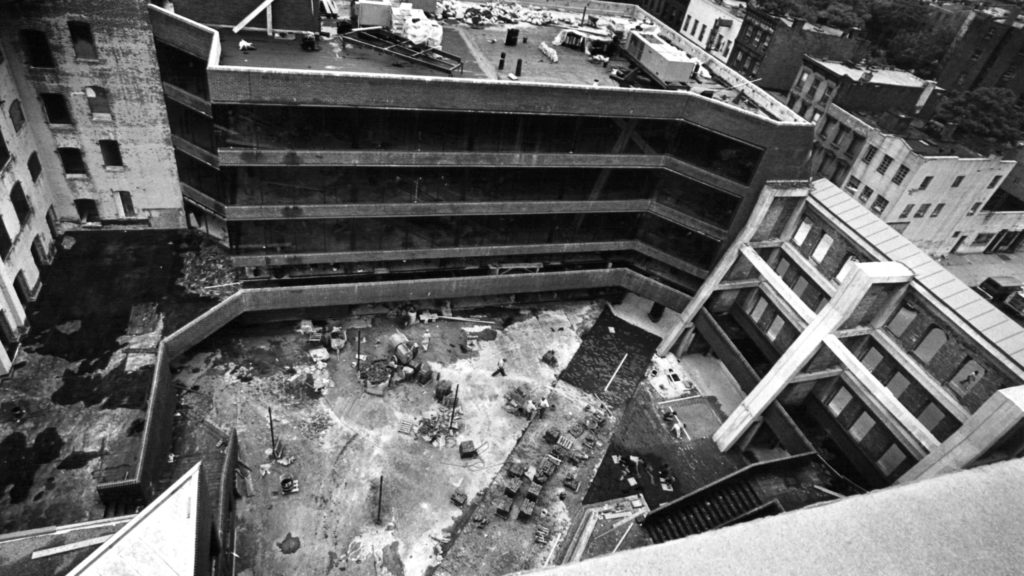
column 1001, row 414
column 832, row 316
column 725, row 263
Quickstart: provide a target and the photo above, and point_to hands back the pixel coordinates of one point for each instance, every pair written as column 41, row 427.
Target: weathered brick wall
column 836, row 256
column 957, row 350
column 185, row 36
column 125, row 66
column 785, row 54
column 287, row 14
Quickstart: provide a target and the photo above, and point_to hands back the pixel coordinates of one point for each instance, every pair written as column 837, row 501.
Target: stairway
column 706, row 509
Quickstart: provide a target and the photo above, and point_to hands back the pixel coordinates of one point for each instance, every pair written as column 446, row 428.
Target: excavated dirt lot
column 345, row 440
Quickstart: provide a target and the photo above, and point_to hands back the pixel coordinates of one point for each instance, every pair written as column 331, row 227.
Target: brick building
column 715, row 25
column 770, row 48
column 988, row 50
column 920, row 177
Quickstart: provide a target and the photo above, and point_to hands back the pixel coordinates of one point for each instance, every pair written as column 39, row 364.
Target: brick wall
column 784, row 56
column 181, row 34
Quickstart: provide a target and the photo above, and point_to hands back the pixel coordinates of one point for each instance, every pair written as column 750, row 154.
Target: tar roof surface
column 881, row 76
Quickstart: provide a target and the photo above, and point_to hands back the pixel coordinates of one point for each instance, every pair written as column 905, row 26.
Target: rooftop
column 883, row 76
column 479, row 46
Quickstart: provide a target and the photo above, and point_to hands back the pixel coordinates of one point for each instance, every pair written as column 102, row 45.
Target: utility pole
column 359, row 350
column 380, row 496
column 455, row 402
column 273, row 443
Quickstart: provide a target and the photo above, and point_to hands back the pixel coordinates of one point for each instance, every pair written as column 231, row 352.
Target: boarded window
column 839, row 401
column 776, row 326
column 891, row 460
column 930, row 345
column 821, row 250
column 898, row 384
column 901, row 320
column 801, row 233
column 864, row 423
column 81, row 40
column 111, row 153
column 872, row 359
column 760, row 305
column 99, row 102
column 931, row 416
column 966, row 378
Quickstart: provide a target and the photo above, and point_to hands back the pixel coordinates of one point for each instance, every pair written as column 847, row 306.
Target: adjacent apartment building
column 873, row 140
column 715, row 25
column 988, row 50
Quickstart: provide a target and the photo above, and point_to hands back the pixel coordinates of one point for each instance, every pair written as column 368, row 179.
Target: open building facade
column 339, row 169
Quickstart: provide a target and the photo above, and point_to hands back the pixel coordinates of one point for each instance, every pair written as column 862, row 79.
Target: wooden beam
column 252, row 15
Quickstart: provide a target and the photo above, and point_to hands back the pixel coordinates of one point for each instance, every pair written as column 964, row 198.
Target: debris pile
column 491, row 13
column 434, row 426
column 315, row 425
column 208, row 273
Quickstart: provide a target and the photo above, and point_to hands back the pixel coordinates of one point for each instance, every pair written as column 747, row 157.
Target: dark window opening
column 930, row 345
column 111, row 153
column 126, row 203
column 87, row 210
column 5, row 155
column 37, row 49
column 81, row 40
column 56, row 108
column 5, row 240
column 21, row 205
column 17, row 115
column 34, row 167
column 72, row 160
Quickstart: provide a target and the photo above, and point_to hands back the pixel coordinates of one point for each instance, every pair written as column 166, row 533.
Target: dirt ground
column 344, row 441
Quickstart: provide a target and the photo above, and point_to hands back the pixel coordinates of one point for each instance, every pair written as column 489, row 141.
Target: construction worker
column 678, row 428
column 501, row 368
column 529, row 408
column 543, row 406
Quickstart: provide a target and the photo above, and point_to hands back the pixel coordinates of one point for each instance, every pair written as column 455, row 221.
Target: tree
column 985, row 112
column 920, row 50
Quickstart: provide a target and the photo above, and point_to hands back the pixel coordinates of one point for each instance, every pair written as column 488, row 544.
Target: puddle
column 290, row 544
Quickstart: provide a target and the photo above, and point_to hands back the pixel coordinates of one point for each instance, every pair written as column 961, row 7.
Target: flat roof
column 480, row 48
column 886, row 76
column 964, row 523
column 990, row 326
column 56, row 549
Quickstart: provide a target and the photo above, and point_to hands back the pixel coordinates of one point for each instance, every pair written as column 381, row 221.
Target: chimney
column 798, row 23
column 866, row 77
column 948, row 131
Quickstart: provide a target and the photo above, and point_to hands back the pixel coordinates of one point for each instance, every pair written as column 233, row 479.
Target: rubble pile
column 208, row 273
column 437, row 424
column 492, row 13
column 314, row 426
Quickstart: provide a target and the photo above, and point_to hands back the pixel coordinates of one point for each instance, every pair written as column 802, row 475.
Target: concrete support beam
column 918, row 374
column 738, row 284
column 809, row 269
column 1001, row 414
column 715, row 277
column 806, row 345
column 772, row 279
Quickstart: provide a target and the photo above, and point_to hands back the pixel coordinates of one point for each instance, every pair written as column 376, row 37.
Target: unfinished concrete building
column 361, row 174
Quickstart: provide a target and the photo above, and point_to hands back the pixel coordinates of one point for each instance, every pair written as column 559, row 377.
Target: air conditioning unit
column 668, row 63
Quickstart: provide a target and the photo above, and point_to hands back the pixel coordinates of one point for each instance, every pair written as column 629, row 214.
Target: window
column 801, row 233
column 866, row 194
column 931, row 416
column 127, row 206
column 901, row 320
column 844, row 270
column 782, row 267
column 824, row 244
column 686, row 23
column 883, row 166
column 111, row 153
column 922, row 210
column 800, row 286
column 930, row 345
column 760, row 305
column 870, row 154
column 775, row 327
column 861, row 426
column 703, row 30
column 974, row 208
column 36, row 49
column 815, row 117
column 5, row 240
column 880, row 204
column 906, row 210
column 995, row 181
column 17, row 115
column 5, row 155
column 891, row 460
column 839, row 401
column 938, row 209
column 71, row 158
column 98, row 101
column 812, row 93
column 56, row 108
column 853, row 184
column 957, row 181
column 872, row 359
column 901, row 173
column 81, row 40
column 982, row 239
column 34, row 168
column 21, row 206
column 898, row 384
column 969, row 374
column 976, row 55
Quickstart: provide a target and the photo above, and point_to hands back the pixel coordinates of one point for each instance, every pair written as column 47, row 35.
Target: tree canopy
column 985, row 112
